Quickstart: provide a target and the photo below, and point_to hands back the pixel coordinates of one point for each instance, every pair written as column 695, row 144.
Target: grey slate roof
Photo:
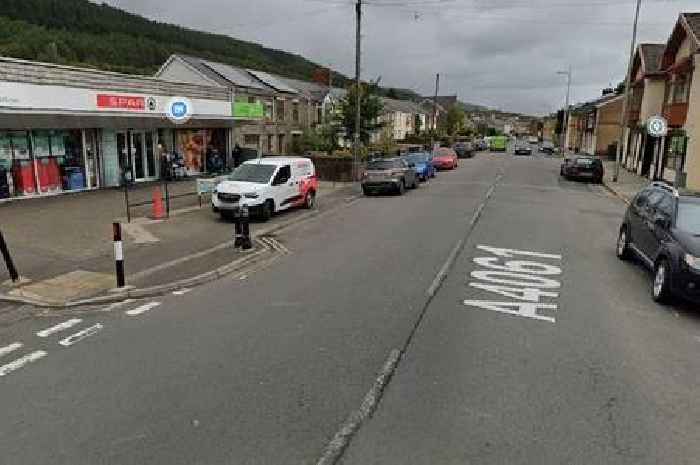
column 651, row 56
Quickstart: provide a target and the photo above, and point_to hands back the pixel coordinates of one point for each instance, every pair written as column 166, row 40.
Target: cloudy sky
column 500, row 53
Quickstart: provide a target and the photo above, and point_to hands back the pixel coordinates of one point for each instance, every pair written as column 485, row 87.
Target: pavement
column 387, row 335
column 627, row 184
column 64, row 244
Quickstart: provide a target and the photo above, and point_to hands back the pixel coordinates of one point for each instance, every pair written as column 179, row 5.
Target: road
column 265, row 368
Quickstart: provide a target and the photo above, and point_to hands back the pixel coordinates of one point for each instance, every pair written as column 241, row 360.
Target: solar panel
column 273, row 81
column 237, row 76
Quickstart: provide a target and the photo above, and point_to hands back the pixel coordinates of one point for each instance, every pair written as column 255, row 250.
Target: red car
column 445, row 159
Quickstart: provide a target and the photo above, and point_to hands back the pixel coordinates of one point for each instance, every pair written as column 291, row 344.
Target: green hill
column 82, row 33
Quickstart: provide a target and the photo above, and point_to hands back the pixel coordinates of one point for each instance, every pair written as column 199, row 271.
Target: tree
column 391, row 93
column 417, row 124
column 370, row 110
column 454, row 121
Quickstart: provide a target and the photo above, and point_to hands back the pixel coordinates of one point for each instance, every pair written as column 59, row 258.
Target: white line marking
column 20, row 362
column 59, row 327
column 142, row 309
column 11, row 348
column 115, row 305
column 181, row 291
column 80, row 335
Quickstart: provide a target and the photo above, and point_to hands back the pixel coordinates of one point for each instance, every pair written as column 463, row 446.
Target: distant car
column 533, row 139
column 464, row 149
column 583, row 167
column 445, row 158
column 547, row 147
column 393, row 174
column 423, row 162
column 662, row 227
column 481, row 145
column 522, row 149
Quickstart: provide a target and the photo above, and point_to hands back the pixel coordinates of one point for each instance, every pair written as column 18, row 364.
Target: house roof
column 404, row 106
column 693, row 22
column 271, row 80
column 688, row 24
column 223, row 74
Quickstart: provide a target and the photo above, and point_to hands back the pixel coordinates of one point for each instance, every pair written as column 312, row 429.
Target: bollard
column 118, row 254
column 14, row 276
column 158, row 209
column 245, row 227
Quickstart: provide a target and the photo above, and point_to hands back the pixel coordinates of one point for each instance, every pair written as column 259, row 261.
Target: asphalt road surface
column 265, row 368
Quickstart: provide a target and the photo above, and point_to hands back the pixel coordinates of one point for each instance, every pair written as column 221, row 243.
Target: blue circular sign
column 179, row 109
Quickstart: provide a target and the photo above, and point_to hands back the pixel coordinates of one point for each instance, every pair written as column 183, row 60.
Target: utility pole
column 565, row 130
column 435, row 125
column 625, row 99
column 358, row 90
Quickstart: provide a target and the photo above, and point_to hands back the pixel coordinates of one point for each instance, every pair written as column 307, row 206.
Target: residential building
column 399, row 118
column 647, row 96
column 606, row 130
column 269, row 112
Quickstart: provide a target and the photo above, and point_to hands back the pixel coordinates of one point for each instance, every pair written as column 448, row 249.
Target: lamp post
column 625, row 99
column 565, row 133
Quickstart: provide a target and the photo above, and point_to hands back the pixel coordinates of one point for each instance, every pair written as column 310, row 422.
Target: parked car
column 464, row 149
column 662, row 227
column 522, row 149
column 498, row 143
column 547, row 147
column 423, row 162
column 394, row 174
column 583, row 167
column 267, row 185
column 445, row 158
column 481, row 145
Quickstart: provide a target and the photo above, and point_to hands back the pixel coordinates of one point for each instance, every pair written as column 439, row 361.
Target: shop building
column 70, row 129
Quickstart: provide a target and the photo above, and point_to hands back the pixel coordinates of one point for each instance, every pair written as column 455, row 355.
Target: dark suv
column 662, row 227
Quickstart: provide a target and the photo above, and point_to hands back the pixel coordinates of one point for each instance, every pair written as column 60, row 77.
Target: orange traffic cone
column 158, row 208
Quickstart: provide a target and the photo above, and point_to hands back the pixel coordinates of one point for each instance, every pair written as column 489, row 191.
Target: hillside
column 82, row 33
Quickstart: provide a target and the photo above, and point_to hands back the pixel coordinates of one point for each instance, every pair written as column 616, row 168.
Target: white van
column 267, row 185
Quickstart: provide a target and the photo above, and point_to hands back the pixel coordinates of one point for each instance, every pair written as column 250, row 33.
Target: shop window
column 675, row 151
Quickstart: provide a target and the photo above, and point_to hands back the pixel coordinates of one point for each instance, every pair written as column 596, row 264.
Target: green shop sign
column 246, row 110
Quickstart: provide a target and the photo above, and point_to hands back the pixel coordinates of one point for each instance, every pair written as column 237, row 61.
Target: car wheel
column 267, row 210
column 310, row 200
column 661, row 286
column 401, row 188
column 226, row 215
column 622, row 249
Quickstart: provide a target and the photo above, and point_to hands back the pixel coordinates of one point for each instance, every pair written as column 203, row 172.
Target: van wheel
column 266, row 210
column 310, row 200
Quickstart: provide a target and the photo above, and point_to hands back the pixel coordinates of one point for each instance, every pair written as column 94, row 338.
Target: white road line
column 11, row 348
column 142, row 309
column 59, row 327
column 80, row 335
column 20, row 362
column 115, row 305
column 181, row 291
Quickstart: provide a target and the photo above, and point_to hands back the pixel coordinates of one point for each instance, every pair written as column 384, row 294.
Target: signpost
column 657, row 126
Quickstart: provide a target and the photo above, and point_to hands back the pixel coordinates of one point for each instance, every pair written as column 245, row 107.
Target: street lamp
column 565, row 132
column 625, row 99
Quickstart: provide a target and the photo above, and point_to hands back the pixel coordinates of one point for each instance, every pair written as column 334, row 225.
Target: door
column 636, row 222
column 663, row 209
column 285, row 191
column 143, row 157
column 645, row 238
column 124, row 154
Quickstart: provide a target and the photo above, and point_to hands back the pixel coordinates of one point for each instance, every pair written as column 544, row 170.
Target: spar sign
column 522, row 282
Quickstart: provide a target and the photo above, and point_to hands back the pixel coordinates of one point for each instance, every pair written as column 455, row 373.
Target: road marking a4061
column 520, row 275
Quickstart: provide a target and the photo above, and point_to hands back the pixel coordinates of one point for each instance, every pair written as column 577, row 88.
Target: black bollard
column 245, row 227
column 14, row 276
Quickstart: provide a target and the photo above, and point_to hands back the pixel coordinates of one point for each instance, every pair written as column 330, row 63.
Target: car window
column 641, row 200
column 382, row 165
column 665, row 205
column 688, row 217
column 654, row 198
column 253, row 172
column 284, row 174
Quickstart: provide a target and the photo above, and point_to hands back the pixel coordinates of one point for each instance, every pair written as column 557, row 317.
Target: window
column 280, row 110
column 251, row 139
column 283, row 175
column 319, row 114
column 268, row 111
column 675, row 151
column 280, row 144
column 665, row 205
column 252, row 99
column 270, row 141
column 681, row 89
column 641, row 200
column 654, row 197
column 295, row 112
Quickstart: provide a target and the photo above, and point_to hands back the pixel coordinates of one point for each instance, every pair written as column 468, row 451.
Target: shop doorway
column 137, row 156
column 648, row 155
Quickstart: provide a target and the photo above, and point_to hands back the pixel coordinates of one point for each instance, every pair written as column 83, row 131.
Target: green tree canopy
column 370, row 110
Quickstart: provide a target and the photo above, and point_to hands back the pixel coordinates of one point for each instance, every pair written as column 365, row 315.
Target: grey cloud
column 502, row 53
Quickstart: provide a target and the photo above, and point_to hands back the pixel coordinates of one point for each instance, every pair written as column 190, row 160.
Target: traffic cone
column 158, row 208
